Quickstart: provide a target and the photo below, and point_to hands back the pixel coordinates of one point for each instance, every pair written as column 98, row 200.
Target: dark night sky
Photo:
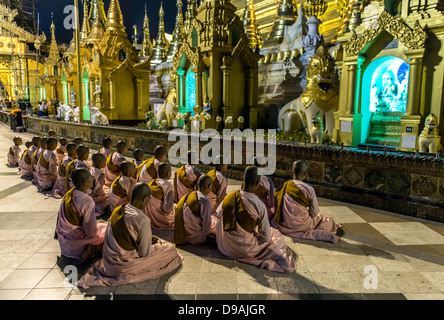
column 133, row 13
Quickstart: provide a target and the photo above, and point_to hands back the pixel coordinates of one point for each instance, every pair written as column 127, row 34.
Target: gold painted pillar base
column 349, row 131
column 409, row 132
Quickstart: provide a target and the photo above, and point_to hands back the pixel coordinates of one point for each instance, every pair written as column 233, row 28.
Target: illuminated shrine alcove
column 384, row 100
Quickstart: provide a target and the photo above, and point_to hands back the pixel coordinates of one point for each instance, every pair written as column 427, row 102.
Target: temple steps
column 385, row 128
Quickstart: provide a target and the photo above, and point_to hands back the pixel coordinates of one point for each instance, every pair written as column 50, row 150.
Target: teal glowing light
column 190, row 91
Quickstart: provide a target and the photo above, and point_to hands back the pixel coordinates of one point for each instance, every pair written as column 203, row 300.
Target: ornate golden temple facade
column 230, row 57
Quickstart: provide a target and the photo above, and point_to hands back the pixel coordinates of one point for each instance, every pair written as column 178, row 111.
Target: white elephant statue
column 319, row 99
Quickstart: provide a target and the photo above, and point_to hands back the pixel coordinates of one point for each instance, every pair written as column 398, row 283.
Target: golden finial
column 147, row 47
column 314, row 8
column 115, row 17
column 286, row 15
column 84, row 31
column 161, row 46
column 251, row 27
column 178, row 33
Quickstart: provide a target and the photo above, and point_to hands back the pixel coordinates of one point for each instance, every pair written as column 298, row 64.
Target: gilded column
column 139, row 82
column 415, row 82
column 199, row 100
column 226, row 74
column 351, row 87
column 112, row 95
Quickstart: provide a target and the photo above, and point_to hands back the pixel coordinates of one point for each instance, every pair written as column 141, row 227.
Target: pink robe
column 161, row 213
column 77, row 164
column 106, row 152
column 35, row 166
column 74, row 239
column 268, row 184
column 119, row 266
column 117, row 159
column 193, row 174
column 26, row 169
column 114, row 200
column 13, row 161
column 46, row 177
column 59, row 189
column 144, row 176
column 198, row 228
column 216, row 199
column 309, row 224
column 100, row 192
column 265, row 247
column 61, row 156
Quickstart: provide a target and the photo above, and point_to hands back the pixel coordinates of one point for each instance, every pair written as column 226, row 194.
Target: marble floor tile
column 342, row 214
column 299, row 282
column 424, row 296
column 178, row 283
column 322, row 263
column 48, row 294
column 13, row 294
column 393, row 262
column 411, row 282
column 147, row 287
column 43, row 260
column 408, row 233
column 256, row 281
column 23, row 279
column 217, row 283
column 338, row 282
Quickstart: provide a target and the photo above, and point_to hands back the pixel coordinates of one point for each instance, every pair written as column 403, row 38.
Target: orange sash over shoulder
column 182, row 176
column 216, row 184
column 71, row 213
column 26, row 157
column 59, row 151
column 43, row 162
column 11, row 152
column 111, row 166
column 295, row 193
column 156, row 190
column 150, row 168
column 233, row 211
column 120, row 231
column 117, row 188
column 179, row 225
column 68, row 170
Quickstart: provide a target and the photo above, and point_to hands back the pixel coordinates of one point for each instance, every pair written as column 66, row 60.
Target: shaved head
column 160, row 151
column 163, row 170
column 51, row 143
column 127, row 168
column 82, row 152
column 251, row 176
column 79, row 176
column 299, row 168
column 140, row 195
column 204, row 182
column 71, row 147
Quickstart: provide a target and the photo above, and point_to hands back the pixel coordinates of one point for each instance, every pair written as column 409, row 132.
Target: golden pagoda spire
column 178, row 33
column 97, row 32
column 251, row 27
column 54, row 56
column 147, row 47
column 115, row 18
column 287, row 13
column 190, row 14
column 97, row 13
column 84, row 31
column 161, row 45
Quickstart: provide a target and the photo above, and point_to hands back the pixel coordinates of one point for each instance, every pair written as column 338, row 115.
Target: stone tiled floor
column 406, row 253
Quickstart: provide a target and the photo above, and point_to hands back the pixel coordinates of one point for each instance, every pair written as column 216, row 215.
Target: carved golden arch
column 192, row 54
column 412, row 39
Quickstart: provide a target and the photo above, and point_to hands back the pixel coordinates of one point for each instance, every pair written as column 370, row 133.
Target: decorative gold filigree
column 411, row 38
